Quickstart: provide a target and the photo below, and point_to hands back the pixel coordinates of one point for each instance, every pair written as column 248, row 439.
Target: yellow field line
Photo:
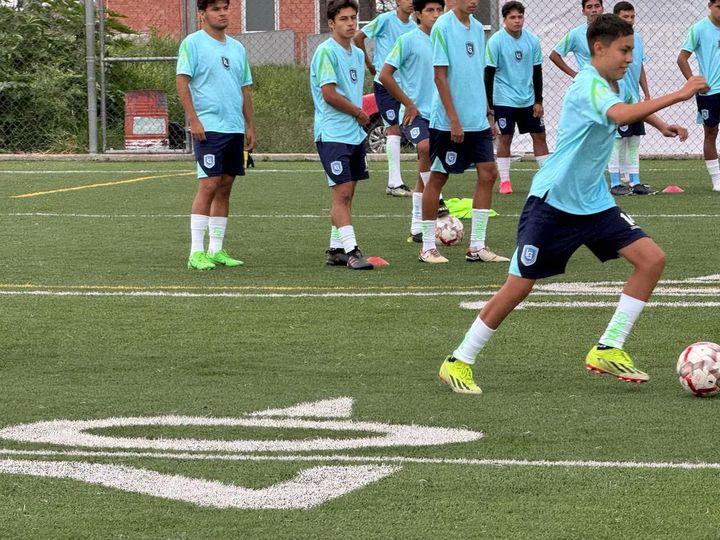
column 238, row 287
column 101, row 184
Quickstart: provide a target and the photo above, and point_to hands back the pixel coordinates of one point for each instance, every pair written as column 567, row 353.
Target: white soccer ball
column 449, row 230
column 698, row 368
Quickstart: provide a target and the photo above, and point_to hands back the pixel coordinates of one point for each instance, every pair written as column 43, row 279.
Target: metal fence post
column 91, row 90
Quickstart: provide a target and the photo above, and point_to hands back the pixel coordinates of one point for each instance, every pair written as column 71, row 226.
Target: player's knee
column 711, row 132
column 653, row 262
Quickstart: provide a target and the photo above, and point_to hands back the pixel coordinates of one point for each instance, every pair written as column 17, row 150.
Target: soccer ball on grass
column 698, row 368
column 449, row 230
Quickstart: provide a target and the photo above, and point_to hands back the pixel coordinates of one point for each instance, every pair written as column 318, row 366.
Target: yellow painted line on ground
column 240, row 287
column 101, row 184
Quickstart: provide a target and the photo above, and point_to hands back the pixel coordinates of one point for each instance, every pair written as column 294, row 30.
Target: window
column 260, row 15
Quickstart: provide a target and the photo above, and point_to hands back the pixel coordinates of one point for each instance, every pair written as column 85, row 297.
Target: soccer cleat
column 199, row 261
column 356, row 261
column 615, row 362
column 222, row 257
column 484, row 255
column 458, row 376
column 620, row 190
column 505, row 187
column 442, row 209
column 431, row 256
column 336, row 257
column 642, row 189
column 398, row 191
column 417, row 238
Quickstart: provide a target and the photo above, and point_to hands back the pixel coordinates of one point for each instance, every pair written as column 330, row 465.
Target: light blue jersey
column 461, row 49
column 632, row 76
column 411, row 56
column 575, row 41
column 384, row 30
column 514, row 59
column 573, row 176
column 217, row 72
column 703, row 39
column 333, row 64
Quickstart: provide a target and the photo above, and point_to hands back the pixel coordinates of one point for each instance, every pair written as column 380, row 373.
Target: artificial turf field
column 102, row 320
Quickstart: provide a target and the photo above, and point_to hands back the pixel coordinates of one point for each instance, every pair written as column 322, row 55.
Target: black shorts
column 343, row 162
column 709, row 109
column 547, row 237
column 507, row 117
column 632, row 130
column 448, row 157
column 417, row 131
column 220, row 154
column 387, row 105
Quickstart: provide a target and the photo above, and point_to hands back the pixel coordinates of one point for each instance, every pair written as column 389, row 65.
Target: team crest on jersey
column 451, row 158
column 209, row 161
column 390, row 114
column 705, row 114
column 353, row 75
column 518, row 56
column 470, row 48
column 226, row 62
column 415, row 133
column 529, row 255
column 502, row 122
column 336, row 167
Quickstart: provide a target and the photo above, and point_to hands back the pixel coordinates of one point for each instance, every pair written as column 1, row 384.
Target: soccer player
column 384, row 30
column 213, row 84
column 626, row 151
column 411, row 60
column 703, row 39
column 514, row 85
column 569, row 205
column 575, row 41
column 461, row 128
column 336, row 82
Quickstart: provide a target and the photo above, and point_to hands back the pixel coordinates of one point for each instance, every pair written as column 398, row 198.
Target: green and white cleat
column 199, row 261
column 458, row 376
column 222, row 257
column 615, row 362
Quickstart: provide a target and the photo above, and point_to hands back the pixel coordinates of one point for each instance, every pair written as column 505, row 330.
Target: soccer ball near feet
column 449, row 230
column 698, row 368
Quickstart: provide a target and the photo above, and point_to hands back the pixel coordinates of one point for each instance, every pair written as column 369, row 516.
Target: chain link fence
column 43, row 76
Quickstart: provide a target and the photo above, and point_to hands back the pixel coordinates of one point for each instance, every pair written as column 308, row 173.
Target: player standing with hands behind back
column 213, row 84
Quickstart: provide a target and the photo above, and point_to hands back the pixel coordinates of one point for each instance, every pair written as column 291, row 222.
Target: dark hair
column 202, row 5
column 419, row 5
column 513, row 5
column 623, row 6
column 586, row 1
column 334, row 7
column 606, row 29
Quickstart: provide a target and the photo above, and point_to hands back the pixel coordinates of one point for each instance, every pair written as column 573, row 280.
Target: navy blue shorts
column 507, row 117
column 220, row 154
column 448, row 157
column 548, row 237
column 709, row 109
column 343, row 162
column 387, row 105
column 417, row 131
column 632, row 130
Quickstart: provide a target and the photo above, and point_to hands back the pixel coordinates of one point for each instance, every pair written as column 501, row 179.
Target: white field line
column 584, row 305
column 166, row 294
column 588, row 464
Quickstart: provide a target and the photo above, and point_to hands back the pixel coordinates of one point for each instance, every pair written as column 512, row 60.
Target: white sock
column 347, row 237
column 633, row 155
column 625, row 157
column 216, row 227
column 541, row 159
column 475, row 340
column 416, row 220
column 713, row 168
column 392, row 148
column 614, row 163
column 622, row 321
column 428, row 233
column 198, row 226
column 503, row 165
column 479, row 228
column 335, row 242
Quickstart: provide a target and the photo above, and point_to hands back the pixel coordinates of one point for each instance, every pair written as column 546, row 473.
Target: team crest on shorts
column 502, row 122
column 529, row 255
column 705, row 114
column 390, row 115
column 451, row 158
column 336, row 167
column 470, row 48
column 415, row 133
column 518, row 56
column 226, row 62
column 353, row 75
column 209, row 161
column 624, row 128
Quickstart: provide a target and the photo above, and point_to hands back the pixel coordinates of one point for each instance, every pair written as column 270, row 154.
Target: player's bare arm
column 249, row 114
column 343, row 104
column 556, row 59
column 457, row 134
column 359, row 41
column 197, row 130
column 391, row 85
column 683, row 62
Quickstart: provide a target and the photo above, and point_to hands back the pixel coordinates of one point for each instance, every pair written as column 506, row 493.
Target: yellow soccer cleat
column 458, row 376
column 615, row 362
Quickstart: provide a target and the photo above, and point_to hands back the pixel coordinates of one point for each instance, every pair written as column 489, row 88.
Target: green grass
column 94, row 357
